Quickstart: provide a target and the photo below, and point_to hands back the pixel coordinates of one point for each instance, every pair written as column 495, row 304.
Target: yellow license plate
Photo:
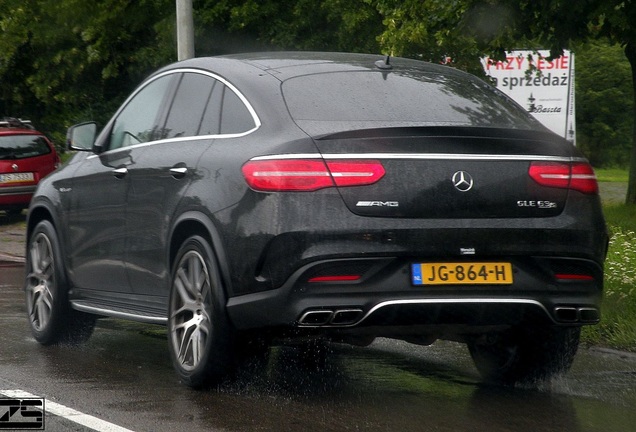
column 462, row 273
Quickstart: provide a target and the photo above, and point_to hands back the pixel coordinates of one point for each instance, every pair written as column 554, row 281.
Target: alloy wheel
column 191, row 310
column 40, row 282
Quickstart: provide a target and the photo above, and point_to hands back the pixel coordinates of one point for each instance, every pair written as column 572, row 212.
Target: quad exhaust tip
column 338, row 317
column 569, row 314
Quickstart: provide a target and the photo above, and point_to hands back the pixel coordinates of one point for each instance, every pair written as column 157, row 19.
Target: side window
column 137, row 122
column 189, row 106
column 211, row 120
column 205, row 106
column 235, row 117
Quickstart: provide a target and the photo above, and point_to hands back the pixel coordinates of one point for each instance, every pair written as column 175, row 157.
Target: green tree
column 63, row 61
column 604, row 103
column 229, row 26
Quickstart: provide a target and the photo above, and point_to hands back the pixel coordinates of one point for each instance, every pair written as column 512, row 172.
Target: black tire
column 199, row 332
column 50, row 316
column 525, row 357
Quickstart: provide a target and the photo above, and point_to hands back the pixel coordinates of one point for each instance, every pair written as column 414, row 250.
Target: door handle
column 120, row 172
column 179, row 172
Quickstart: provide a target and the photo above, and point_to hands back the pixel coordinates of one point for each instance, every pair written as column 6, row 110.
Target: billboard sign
column 547, row 93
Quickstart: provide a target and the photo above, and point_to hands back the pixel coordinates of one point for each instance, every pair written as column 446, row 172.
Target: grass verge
column 611, row 174
column 618, row 324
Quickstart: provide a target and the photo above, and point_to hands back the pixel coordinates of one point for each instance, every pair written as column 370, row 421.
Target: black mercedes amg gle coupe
column 243, row 200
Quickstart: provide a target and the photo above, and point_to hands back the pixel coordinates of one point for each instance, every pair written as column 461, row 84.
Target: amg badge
column 378, row 204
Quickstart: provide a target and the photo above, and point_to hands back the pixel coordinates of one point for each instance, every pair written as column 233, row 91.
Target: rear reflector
column 309, row 174
column 339, row 278
column 580, row 277
column 578, row 176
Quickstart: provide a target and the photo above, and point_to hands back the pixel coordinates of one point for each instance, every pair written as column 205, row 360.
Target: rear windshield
column 22, row 146
column 330, row 102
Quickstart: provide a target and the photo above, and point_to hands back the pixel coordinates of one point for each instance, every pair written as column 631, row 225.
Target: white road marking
column 68, row 413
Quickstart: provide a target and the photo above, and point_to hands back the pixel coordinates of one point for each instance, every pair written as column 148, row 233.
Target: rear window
column 329, row 102
column 23, row 146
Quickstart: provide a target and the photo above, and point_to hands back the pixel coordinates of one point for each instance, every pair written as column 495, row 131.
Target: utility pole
column 185, row 30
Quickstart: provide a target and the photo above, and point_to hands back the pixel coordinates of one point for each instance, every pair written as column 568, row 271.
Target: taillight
column 309, row 174
column 355, row 173
column 573, row 277
column 335, row 278
column 583, row 178
column 577, row 175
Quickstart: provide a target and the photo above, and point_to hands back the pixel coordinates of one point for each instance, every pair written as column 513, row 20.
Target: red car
column 26, row 157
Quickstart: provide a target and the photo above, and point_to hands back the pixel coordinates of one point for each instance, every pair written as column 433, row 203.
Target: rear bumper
column 384, row 298
column 16, row 196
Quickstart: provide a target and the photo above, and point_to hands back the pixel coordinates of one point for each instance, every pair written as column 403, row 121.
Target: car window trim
column 248, row 105
column 255, row 118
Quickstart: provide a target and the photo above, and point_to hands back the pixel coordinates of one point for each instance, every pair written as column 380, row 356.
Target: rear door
column 204, row 108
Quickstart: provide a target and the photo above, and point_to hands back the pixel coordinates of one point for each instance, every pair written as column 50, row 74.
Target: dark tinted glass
column 22, row 146
column 188, row 108
column 137, row 122
column 235, row 117
column 211, row 121
column 205, row 106
column 405, row 98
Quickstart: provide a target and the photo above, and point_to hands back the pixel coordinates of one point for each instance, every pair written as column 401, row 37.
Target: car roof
column 288, row 64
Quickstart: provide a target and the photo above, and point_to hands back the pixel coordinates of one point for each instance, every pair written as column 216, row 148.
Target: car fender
column 183, row 226
column 48, row 203
column 42, row 208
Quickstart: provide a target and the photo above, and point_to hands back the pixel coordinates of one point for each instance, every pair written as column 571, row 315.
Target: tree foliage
column 604, row 103
column 323, row 25
column 62, row 61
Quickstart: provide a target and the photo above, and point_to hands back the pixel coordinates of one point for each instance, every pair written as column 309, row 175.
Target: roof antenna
column 384, row 64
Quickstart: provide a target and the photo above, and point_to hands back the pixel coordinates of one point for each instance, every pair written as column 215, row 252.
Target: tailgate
column 451, row 172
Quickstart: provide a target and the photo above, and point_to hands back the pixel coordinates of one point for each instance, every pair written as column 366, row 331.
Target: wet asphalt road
column 122, row 378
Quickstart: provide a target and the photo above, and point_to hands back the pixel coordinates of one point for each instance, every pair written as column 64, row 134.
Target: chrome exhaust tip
column 566, row 314
column 315, row 318
column 585, row 315
column 337, row 318
column 589, row 315
column 344, row 317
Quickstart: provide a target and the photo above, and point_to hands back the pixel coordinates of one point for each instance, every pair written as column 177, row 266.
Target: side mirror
column 81, row 137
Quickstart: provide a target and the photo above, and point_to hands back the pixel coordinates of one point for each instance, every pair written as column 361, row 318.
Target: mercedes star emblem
column 462, row 181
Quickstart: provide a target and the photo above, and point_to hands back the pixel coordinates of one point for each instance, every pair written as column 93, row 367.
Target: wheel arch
column 196, row 223
column 37, row 213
